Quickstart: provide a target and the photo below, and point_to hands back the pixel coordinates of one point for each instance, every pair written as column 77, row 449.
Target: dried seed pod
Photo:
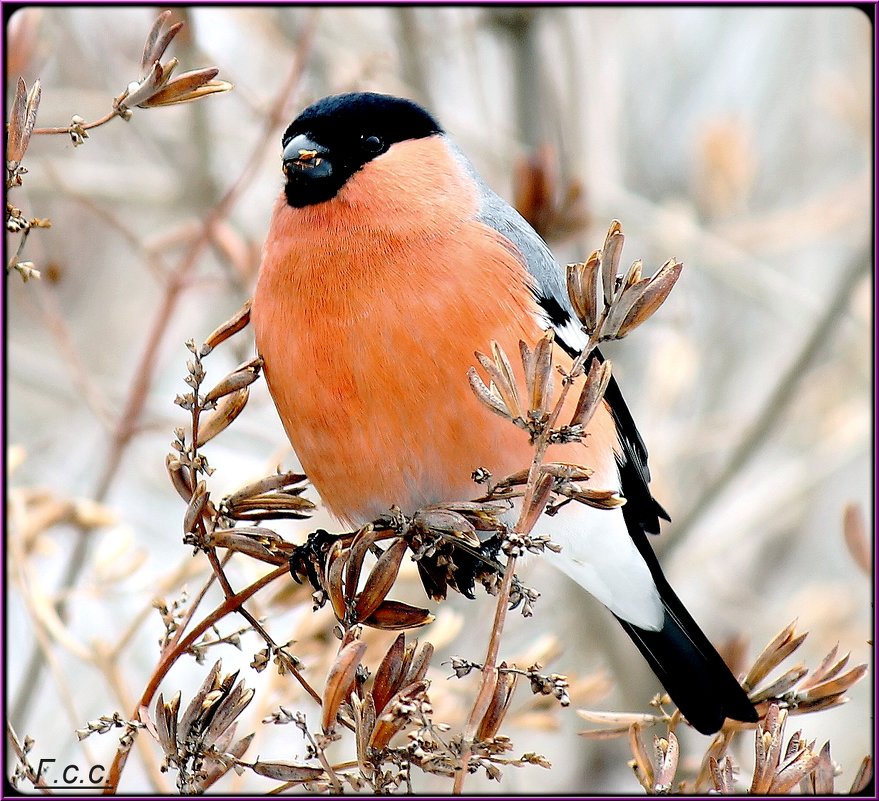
column 237, row 322
column 417, row 665
column 340, row 681
column 395, row 716
column 596, row 498
column 768, row 741
column 489, row 398
column 269, row 504
column 651, row 297
column 447, row 521
column 166, row 722
column 781, row 685
column 722, row 775
column 643, row 763
column 610, row 259
column 665, row 755
column 501, row 374
column 498, row 706
column 538, row 373
column 509, row 378
column 380, row 580
column 287, row 771
column 267, row 484
column 541, row 496
column 781, row 646
column 231, row 705
column 222, row 417
column 231, row 383
column 827, row 669
column 22, row 119
column 793, row 772
column 622, row 304
column 835, row 686
column 196, row 507
column 179, row 476
column 360, row 546
column 626, row 719
column 633, row 275
column 822, row 775
column 863, row 776
column 335, row 565
column 158, row 39
column 364, row 723
column 197, row 705
column 395, row 615
column 390, row 674
column 567, row 471
column 187, row 87
column 251, row 544
column 582, row 285
column 592, row 393
column 217, row 770
column 154, row 77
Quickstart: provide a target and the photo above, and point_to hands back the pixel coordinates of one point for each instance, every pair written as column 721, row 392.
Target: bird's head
column 336, row 137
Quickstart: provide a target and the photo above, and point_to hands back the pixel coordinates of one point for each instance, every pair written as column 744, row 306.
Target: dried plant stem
column 255, row 624
column 17, row 746
column 334, row 780
column 128, row 422
column 148, row 609
column 542, row 443
column 116, row 682
column 16, row 257
column 86, row 126
column 503, row 601
column 488, row 670
column 777, row 402
column 171, row 655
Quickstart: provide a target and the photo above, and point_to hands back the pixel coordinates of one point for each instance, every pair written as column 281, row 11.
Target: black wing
column 641, row 508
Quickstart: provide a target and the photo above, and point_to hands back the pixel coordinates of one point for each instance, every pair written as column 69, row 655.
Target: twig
column 542, row 444
column 325, row 763
column 255, row 624
column 86, row 126
column 170, row 657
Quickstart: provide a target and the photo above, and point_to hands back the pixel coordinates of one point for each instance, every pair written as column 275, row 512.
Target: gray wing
column 554, row 309
column 548, row 280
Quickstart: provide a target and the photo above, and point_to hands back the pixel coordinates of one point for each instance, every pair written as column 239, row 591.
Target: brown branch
column 86, row 126
column 541, row 446
column 171, row 655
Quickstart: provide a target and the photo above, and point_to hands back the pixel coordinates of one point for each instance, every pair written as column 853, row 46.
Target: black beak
column 306, row 159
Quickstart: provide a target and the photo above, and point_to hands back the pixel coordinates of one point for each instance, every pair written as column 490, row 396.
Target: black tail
column 689, row 667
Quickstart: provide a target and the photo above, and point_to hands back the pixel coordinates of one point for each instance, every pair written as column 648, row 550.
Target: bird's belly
column 387, row 417
column 368, row 370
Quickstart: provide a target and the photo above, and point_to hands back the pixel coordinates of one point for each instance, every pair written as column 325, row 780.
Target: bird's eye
column 373, row 144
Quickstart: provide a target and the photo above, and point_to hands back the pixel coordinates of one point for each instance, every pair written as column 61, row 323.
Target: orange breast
column 367, row 340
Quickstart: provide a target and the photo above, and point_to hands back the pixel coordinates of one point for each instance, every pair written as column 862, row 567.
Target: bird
column 388, row 262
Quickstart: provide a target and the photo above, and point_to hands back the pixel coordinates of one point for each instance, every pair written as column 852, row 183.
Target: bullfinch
column 388, row 262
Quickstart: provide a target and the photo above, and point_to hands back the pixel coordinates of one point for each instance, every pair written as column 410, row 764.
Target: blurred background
column 736, row 140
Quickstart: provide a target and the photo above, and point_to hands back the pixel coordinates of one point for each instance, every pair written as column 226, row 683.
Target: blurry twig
column 776, row 403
